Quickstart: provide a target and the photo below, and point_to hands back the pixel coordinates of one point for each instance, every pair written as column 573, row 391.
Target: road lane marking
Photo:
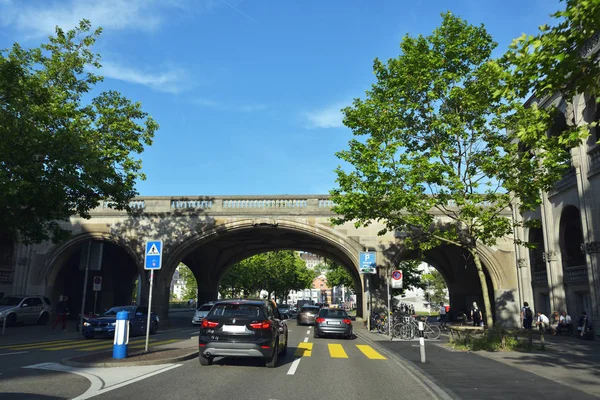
column 140, row 346
column 95, row 346
column 336, row 351
column 303, row 350
column 370, row 352
column 294, row 366
column 40, row 344
column 308, row 332
column 305, row 339
column 18, row 352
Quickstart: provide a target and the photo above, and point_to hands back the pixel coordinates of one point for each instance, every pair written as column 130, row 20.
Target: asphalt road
column 326, row 368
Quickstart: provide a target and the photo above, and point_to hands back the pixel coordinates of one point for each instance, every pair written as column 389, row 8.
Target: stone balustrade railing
column 540, row 278
column 575, row 274
column 227, row 204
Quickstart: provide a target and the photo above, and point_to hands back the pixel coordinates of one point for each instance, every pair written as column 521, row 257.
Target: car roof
column 242, row 301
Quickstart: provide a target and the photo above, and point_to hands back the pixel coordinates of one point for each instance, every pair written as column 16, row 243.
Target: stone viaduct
column 211, row 233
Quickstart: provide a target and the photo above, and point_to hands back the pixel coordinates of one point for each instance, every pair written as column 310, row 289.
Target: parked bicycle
column 408, row 328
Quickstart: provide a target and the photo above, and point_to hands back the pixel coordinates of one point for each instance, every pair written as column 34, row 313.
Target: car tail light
column 261, row 325
column 347, row 321
column 209, row 324
column 319, row 320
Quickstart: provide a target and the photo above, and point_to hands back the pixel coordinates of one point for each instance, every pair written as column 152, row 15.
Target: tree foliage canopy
column 277, row 272
column 61, row 153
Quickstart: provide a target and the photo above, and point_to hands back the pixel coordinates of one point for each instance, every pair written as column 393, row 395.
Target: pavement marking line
column 108, row 345
column 336, row 351
column 294, row 366
column 10, row 354
column 141, row 346
column 40, row 344
column 370, row 352
column 308, row 332
column 303, row 350
column 104, row 380
column 305, row 339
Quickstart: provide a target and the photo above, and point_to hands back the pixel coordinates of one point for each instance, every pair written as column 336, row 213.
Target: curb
column 411, row 369
column 170, row 360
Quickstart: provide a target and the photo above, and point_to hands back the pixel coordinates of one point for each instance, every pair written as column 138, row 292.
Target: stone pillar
column 525, row 279
column 587, row 213
column 552, row 257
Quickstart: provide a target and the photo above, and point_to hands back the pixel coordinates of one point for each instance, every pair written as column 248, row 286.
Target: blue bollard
column 121, row 335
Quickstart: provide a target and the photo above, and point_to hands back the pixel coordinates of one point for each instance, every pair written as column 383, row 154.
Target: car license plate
column 98, row 329
column 234, row 328
column 333, row 322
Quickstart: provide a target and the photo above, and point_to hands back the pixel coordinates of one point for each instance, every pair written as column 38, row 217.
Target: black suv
column 243, row 328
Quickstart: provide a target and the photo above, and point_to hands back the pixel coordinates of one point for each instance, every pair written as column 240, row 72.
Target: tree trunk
column 484, row 288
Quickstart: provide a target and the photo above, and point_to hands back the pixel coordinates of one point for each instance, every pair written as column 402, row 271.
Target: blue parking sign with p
column 153, row 254
column 368, row 263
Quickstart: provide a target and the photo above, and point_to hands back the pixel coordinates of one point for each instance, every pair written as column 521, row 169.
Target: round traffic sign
column 397, row 275
column 97, row 280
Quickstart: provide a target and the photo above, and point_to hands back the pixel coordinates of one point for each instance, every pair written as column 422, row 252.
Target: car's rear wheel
column 153, row 327
column 205, row 360
column 272, row 362
column 11, row 320
column 315, row 334
column 43, row 319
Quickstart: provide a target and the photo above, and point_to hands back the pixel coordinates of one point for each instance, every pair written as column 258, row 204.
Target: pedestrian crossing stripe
column 305, row 349
column 369, row 352
column 37, row 344
column 336, row 351
column 110, row 345
column 153, row 251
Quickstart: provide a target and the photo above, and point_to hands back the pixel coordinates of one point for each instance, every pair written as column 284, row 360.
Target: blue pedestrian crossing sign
column 368, row 263
column 153, row 254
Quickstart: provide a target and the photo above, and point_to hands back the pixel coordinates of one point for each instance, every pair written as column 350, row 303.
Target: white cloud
column 328, row 117
column 171, row 80
column 38, row 18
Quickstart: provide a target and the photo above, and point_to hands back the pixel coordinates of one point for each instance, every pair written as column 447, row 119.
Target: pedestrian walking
column 442, row 316
column 62, row 310
column 476, row 315
column 526, row 316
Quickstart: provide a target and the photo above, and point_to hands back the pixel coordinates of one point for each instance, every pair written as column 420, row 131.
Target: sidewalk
column 567, row 369
column 165, row 354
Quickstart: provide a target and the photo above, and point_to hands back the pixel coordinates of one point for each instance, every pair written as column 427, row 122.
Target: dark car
column 307, row 315
column 333, row 322
column 284, row 310
column 104, row 326
column 243, row 328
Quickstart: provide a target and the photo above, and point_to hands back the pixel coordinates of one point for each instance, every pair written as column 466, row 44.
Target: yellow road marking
column 303, row 350
column 337, row 351
column 370, row 353
column 141, row 346
column 108, row 345
column 39, row 344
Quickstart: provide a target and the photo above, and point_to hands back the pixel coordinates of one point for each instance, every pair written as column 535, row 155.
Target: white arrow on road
column 104, row 380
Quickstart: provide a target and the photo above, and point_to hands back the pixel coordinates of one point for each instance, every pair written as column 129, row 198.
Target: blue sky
column 247, row 92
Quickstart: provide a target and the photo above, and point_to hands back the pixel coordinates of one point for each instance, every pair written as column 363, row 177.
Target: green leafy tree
column 60, row 154
column 337, row 275
column 435, row 286
column 190, row 286
column 427, row 143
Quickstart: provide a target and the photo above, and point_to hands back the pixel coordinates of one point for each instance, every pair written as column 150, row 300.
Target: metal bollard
column 422, row 341
column 121, row 335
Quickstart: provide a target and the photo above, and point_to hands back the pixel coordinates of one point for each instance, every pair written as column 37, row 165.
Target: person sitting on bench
column 542, row 322
column 564, row 324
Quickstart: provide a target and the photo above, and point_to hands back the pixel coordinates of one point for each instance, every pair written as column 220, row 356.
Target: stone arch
column 179, row 251
column 571, row 237
column 63, row 251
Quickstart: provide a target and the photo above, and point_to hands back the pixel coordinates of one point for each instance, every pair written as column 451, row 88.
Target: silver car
column 201, row 313
column 333, row 322
column 25, row 309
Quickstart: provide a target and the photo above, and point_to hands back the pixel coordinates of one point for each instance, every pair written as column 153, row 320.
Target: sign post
column 89, row 260
column 368, row 266
column 152, row 261
column 97, row 287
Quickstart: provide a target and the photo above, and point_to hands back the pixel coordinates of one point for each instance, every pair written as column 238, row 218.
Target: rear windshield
column 205, row 308
column 237, row 310
column 309, row 309
column 333, row 313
